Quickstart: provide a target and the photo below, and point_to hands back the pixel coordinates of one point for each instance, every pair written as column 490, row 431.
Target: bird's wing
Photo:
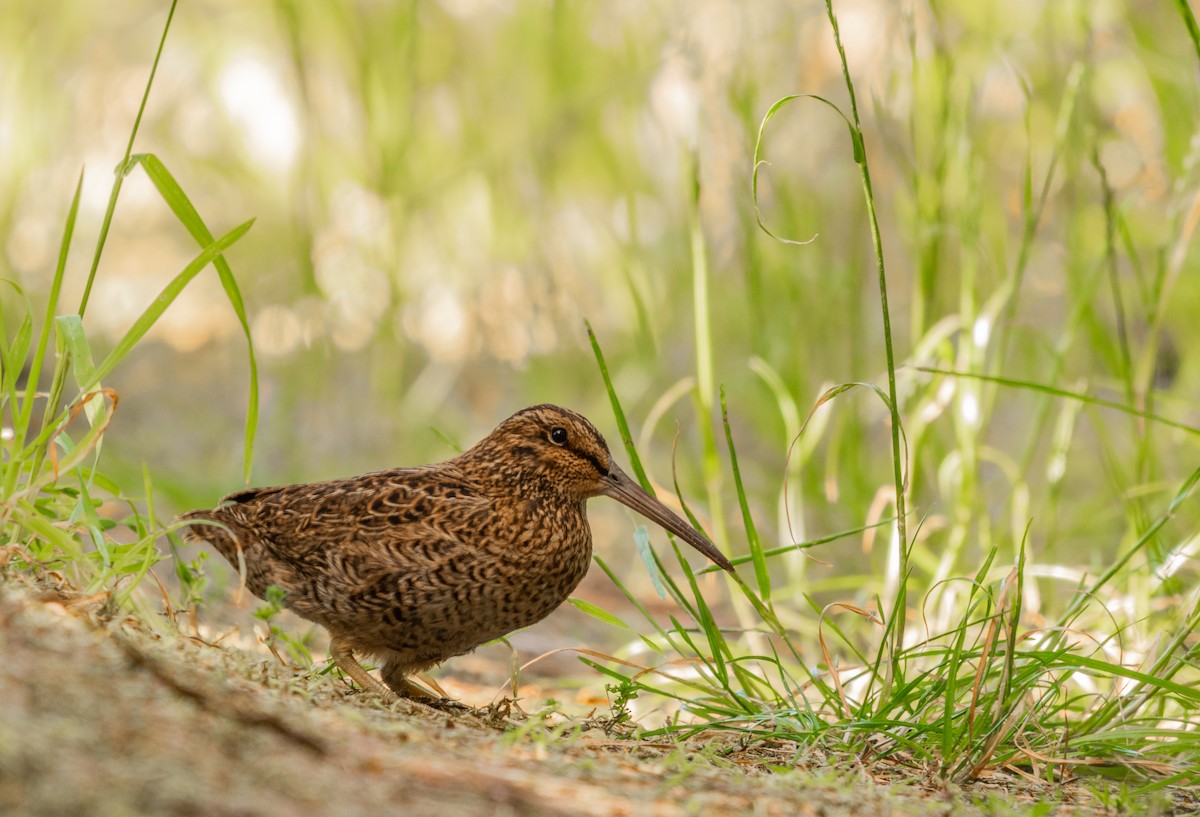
column 376, row 514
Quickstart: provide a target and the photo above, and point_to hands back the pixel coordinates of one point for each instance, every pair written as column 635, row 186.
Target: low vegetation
column 1028, row 606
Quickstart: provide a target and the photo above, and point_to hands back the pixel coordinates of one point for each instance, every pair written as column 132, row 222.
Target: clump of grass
column 295, row 647
column 58, row 510
column 953, row 670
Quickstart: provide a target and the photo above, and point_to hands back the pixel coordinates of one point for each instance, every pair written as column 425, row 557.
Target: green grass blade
column 70, row 328
column 899, row 451
column 800, row 546
column 635, row 461
column 1055, row 391
column 123, row 167
column 33, row 378
column 598, row 613
column 165, row 298
column 190, row 218
column 641, row 538
column 761, row 574
column 641, row 608
column 1189, row 22
column 1082, row 599
column 13, row 354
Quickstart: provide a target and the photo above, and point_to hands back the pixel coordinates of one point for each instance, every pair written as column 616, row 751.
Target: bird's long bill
column 620, row 487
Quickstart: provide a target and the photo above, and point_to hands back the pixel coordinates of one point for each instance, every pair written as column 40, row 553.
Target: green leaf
column 622, row 424
column 190, row 218
column 761, row 574
column 12, row 355
column 641, row 538
column 70, row 329
column 598, row 613
column 165, row 298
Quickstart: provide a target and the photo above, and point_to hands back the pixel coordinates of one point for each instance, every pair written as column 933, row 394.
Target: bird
column 415, row 565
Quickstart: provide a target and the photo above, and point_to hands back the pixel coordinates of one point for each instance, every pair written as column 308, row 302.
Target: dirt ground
column 98, row 716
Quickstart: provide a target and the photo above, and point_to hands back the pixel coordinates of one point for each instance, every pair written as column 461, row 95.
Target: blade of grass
column 14, row 352
column 899, row 454
column 761, row 574
column 1067, row 394
column 1082, row 598
column 165, row 298
column 121, row 167
column 622, row 424
column 598, row 613
column 800, row 546
column 190, row 218
column 33, row 378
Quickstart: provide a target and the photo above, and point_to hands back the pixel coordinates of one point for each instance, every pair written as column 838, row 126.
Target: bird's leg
column 394, row 676
column 344, row 658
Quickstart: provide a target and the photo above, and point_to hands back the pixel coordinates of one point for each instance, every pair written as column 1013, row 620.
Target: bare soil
column 100, row 716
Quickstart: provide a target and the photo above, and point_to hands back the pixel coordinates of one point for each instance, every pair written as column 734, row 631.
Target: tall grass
column 1049, row 663
column 991, row 461
column 58, row 510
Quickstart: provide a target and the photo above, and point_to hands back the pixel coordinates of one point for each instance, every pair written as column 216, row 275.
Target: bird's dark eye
column 558, row 435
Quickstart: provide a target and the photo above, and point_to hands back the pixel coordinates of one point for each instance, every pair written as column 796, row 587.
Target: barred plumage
column 416, row 565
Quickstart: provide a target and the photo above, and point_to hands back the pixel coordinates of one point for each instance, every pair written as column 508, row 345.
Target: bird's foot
column 448, row 705
column 344, row 658
column 404, row 688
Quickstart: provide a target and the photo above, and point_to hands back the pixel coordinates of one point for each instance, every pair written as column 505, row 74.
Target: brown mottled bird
column 416, row 565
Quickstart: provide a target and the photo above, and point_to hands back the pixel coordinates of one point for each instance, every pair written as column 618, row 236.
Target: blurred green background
column 444, row 191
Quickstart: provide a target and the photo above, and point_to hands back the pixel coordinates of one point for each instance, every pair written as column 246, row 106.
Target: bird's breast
column 545, row 560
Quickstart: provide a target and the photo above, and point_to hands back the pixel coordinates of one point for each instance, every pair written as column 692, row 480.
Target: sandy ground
column 98, row 716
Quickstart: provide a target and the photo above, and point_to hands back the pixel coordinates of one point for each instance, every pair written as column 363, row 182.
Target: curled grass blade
column 760, row 163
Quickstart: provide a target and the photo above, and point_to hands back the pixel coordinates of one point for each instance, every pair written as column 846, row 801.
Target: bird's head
column 558, row 448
